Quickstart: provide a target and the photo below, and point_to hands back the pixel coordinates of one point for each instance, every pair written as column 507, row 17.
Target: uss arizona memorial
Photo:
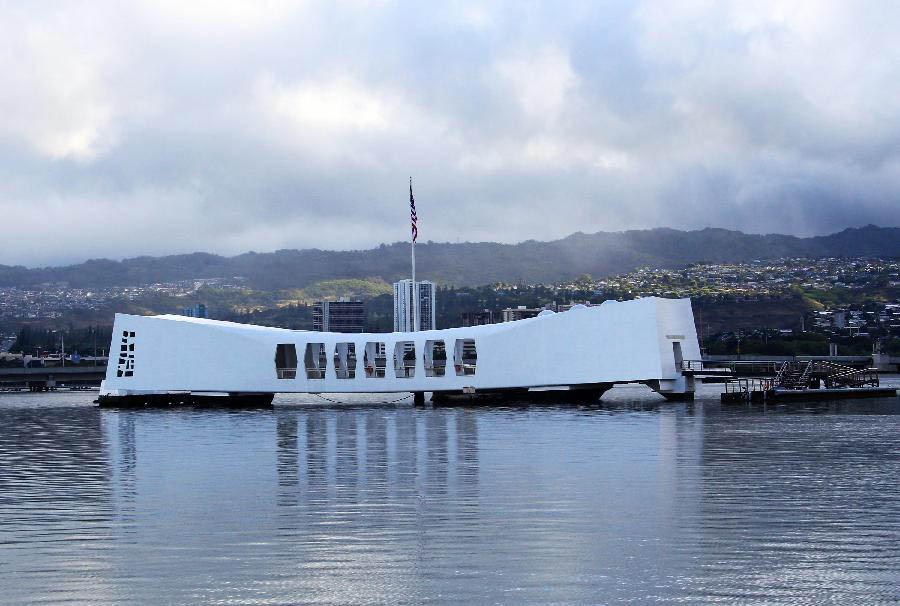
column 171, row 358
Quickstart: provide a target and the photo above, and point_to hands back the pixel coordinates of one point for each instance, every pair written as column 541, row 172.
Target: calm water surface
column 630, row 501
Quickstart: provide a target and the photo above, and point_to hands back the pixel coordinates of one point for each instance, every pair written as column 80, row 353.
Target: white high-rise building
column 404, row 310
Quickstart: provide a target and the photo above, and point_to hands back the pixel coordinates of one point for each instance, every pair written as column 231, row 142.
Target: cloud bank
column 162, row 127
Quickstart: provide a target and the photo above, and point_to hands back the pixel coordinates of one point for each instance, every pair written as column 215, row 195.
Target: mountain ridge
column 469, row 263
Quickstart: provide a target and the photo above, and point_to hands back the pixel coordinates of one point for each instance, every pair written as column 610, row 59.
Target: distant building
column 511, row 314
column 567, row 306
column 404, row 308
column 478, row 318
column 197, row 311
column 339, row 316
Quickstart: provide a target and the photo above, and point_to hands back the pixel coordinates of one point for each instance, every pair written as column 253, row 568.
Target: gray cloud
column 159, row 127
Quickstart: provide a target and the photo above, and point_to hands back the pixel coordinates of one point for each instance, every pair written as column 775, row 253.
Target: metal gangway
column 747, row 380
column 803, row 378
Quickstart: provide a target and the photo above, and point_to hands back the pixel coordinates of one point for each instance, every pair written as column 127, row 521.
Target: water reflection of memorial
column 359, row 456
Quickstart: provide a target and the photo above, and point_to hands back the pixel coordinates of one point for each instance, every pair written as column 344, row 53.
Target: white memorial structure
column 585, row 351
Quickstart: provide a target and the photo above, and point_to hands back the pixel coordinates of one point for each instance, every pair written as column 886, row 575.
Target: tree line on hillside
column 469, row 263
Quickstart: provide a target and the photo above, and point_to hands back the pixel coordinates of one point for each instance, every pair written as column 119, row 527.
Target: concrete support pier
column 675, row 390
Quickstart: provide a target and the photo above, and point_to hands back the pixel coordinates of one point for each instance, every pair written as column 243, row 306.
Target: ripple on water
column 629, row 501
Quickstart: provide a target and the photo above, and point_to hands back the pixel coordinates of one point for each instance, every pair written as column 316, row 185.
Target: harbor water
column 631, row 500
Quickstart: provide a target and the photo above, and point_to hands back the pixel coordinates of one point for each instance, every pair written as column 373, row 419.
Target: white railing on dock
column 748, row 386
column 692, row 365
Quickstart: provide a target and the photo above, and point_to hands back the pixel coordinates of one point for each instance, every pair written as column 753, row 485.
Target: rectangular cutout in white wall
column 374, row 359
column 465, row 357
column 435, row 358
column 315, row 360
column 345, row 360
column 286, row 361
column 405, row 359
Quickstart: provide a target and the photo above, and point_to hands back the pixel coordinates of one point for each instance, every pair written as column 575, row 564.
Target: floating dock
column 807, row 381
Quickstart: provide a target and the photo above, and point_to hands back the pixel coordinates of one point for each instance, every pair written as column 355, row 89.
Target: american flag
column 412, row 213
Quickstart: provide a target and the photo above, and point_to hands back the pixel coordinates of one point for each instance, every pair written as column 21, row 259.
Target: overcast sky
column 158, row 127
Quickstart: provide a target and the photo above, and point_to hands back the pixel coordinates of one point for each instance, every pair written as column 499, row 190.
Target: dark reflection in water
column 633, row 500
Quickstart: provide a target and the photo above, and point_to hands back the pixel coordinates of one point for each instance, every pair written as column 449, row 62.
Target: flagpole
column 415, row 290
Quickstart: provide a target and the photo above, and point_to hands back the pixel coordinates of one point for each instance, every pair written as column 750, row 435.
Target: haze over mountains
column 469, row 263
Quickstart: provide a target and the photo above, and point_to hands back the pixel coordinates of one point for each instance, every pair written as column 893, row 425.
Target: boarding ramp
column 814, row 373
column 807, row 380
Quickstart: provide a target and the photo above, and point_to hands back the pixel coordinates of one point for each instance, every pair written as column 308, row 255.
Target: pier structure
column 583, row 351
column 807, row 380
column 51, row 377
